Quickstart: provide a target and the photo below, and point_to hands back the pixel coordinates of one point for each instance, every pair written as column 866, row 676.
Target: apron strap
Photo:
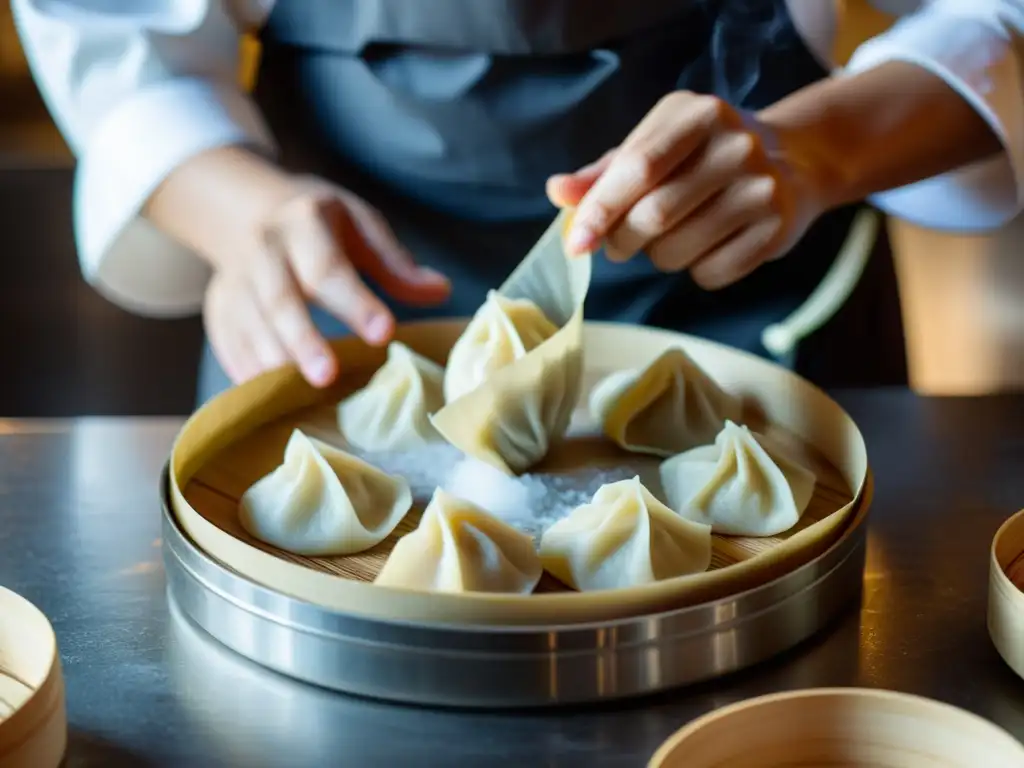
column 782, row 339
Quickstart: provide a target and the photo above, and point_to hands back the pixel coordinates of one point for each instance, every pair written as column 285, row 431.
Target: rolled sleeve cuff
column 975, row 56
column 126, row 158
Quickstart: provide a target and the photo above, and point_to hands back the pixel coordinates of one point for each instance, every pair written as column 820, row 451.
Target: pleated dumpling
column 458, row 547
column 515, row 375
column 623, row 538
column 741, row 485
column 667, row 407
column 392, row 412
column 323, row 501
column 502, row 331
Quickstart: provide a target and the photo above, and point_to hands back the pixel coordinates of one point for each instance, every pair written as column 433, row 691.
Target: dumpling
column 392, row 412
column 458, row 547
column 513, row 406
column 502, row 331
column 323, row 501
column 624, row 537
column 740, row 486
column 667, row 407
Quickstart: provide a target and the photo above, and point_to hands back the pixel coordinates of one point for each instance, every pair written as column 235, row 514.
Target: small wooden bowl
column 1006, row 592
column 841, row 728
column 33, row 723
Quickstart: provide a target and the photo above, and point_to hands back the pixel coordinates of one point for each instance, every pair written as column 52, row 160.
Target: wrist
column 803, row 142
column 216, row 203
column 852, row 136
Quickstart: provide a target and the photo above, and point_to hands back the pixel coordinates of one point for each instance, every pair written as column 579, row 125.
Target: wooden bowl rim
column 1017, row 518
column 1006, row 600
column 922, row 704
column 34, row 735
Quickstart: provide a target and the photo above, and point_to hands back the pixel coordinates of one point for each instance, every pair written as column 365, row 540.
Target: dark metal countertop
column 79, row 528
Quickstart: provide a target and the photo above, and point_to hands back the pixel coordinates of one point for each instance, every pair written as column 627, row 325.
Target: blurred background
column 66, row 351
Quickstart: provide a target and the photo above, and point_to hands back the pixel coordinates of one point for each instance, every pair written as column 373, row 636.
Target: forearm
column 138, row 89
column 210, row 202
column 881, row 129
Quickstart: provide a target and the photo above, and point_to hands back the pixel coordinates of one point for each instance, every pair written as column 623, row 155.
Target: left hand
column 697, row 185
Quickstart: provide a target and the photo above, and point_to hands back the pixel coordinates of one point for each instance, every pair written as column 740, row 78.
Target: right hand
column 312, row 247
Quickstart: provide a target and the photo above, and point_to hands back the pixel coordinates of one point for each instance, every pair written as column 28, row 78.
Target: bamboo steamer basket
column 239, row 436
column 33, row 723
column 1005, row 598
column 841, row 728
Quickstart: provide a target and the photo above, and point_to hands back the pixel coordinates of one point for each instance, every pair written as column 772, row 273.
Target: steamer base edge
column 485, row 667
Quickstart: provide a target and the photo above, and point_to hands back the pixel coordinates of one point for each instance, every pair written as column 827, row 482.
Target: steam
column 743, row 32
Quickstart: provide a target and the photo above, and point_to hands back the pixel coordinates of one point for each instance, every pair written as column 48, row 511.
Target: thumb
column 374, row 250
column 565, row 190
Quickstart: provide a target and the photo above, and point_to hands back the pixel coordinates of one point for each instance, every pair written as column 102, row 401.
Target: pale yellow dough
column 667, row 407
column 742, row 485
column 459, row 547
column 624, row 537
column 323, row 501
column 516, row 372
column 392, row 412
column 502, row 331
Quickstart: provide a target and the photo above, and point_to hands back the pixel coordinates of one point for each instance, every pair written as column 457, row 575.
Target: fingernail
column 428, row 275
column 378, row 328
column 319, row 369
column 581, row 240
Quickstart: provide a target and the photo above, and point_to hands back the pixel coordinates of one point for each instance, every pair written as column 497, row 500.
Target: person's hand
column 276, row 241
column 697, row 185
column 313, row 246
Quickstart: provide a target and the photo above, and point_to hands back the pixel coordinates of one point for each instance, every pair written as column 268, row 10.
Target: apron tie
column 782, row 339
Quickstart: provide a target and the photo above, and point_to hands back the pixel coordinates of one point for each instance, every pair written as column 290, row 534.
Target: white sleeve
column 977, row 47
column 137, row 88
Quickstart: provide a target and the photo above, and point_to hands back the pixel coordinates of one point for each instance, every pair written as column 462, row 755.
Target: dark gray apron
column 450, row 115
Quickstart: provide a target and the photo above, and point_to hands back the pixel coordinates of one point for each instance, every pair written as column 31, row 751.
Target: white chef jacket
column 140, row 86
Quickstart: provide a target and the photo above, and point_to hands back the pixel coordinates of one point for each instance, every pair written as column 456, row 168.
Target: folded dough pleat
column 502, row 331
column 624, row 537
column 512, row 415
column 741, row 485
column 664, row 408
column 392, row 412
column 459, row 547
column 323, row 501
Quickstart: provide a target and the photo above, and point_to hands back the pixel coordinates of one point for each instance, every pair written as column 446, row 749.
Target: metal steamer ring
column 505, row 667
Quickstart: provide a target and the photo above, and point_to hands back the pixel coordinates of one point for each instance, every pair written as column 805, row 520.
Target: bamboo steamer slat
column 840, row 728
column 1005, row 595
column 240, row 435
column 33, row 723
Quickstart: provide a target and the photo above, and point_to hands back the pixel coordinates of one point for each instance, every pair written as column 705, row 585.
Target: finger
column 373, row 249
column 565, row 190
column 231, row 347
column 712, row 223
column 694, row 183
column 234, row 354
column 281, row 303
column 324, row 272
column 251, row 323
column 662, row 141
column 739, row 256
